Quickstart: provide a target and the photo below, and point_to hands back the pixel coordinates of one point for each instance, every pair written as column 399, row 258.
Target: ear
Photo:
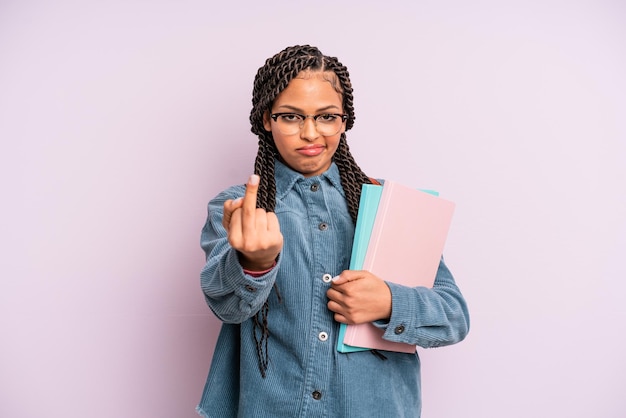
column 267, row 123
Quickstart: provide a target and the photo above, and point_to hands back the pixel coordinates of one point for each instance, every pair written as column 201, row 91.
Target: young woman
column 273, row 247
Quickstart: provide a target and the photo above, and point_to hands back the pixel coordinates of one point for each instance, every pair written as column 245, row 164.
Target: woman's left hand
column 358, row 296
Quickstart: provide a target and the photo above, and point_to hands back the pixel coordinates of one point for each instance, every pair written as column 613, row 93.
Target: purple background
column 119, row 120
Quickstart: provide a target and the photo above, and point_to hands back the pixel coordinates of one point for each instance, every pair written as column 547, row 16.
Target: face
column 307, row 152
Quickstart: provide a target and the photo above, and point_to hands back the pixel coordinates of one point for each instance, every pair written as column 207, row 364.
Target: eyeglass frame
column 343, row 117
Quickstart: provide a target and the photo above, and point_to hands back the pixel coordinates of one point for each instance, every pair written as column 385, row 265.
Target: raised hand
column 253, row 232
column 357, row 296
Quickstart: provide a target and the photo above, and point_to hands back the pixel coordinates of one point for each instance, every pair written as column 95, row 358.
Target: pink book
column 405, row 247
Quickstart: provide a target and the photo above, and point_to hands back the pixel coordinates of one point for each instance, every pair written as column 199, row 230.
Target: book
column 368, row 206
column 403, row 243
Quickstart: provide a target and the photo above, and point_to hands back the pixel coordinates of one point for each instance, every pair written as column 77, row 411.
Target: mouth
column 311, row 150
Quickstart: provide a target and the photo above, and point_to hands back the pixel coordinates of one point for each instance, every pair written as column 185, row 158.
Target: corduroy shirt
column 307, row 376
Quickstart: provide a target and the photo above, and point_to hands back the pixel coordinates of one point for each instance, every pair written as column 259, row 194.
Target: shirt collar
column 286, row 178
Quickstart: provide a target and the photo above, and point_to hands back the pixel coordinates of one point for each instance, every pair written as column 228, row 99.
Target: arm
column 413, row 315
column 427, row 317
column 235, row 236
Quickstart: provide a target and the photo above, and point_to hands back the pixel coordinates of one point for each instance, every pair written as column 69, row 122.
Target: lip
column 311, row 150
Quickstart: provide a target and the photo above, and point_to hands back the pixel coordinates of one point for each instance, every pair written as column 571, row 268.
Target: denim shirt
column 307, row 376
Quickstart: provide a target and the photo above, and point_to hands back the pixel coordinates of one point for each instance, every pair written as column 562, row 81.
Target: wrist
column 256, row 266
column 257, row 273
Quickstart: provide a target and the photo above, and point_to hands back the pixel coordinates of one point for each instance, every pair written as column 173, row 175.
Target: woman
column 273, row 246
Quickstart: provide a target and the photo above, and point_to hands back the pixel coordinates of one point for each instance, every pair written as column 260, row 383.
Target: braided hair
column 271, row 79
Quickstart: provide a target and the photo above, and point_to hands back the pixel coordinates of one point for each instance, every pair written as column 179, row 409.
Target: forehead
column 329, row 76
column 308, row 87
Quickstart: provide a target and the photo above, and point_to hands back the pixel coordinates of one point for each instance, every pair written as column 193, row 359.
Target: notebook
column 406, row 240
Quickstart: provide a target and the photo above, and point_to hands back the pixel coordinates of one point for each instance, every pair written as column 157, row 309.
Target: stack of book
column 400, row 235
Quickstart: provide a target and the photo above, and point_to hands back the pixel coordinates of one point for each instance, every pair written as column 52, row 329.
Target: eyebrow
column 298, row 110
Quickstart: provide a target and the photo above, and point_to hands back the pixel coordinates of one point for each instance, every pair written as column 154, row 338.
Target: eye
column 291, row 117
column 327, row 118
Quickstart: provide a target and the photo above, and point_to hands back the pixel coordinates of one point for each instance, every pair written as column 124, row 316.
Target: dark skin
column 252, row 231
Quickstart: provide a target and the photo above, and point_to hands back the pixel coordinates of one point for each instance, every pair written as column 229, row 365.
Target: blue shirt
column 307, row 376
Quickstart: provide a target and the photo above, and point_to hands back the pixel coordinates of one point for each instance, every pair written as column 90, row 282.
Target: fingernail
column 334, row 279
column 238, row 200
column 254, row 180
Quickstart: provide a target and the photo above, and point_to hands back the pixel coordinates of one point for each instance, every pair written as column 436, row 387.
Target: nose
column 309, row 130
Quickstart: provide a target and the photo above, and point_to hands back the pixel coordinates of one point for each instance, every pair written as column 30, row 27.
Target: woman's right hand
column 253, row 232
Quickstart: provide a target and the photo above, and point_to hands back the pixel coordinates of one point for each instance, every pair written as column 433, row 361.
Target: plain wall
column 119, row 120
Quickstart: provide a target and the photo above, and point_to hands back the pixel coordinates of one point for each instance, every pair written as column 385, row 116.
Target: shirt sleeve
column 427, row 317
column 232, row 295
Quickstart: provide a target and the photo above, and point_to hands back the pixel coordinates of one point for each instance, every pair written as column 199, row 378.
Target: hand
column 252, row 231
column 358, row 296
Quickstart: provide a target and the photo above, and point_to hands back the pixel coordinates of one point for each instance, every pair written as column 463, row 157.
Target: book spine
column 381, row 213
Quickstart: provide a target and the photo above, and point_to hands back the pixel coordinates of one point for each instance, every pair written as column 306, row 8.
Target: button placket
column 318, row 379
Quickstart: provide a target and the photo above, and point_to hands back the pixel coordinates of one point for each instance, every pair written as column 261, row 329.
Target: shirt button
column 327, row 278
column 323, row 336
column 399, row 329
column 315, row 187
column 317, row 395
column 323, row 226
column 250, row 288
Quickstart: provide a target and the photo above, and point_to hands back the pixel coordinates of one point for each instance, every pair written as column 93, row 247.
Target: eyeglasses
column 327, row 124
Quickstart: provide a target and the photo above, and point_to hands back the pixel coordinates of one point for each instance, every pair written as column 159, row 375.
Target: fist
column 253, row 232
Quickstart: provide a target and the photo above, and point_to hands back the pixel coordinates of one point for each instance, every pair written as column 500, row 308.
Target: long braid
column 271, row 79
column 352, row 177
column 264, row 167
